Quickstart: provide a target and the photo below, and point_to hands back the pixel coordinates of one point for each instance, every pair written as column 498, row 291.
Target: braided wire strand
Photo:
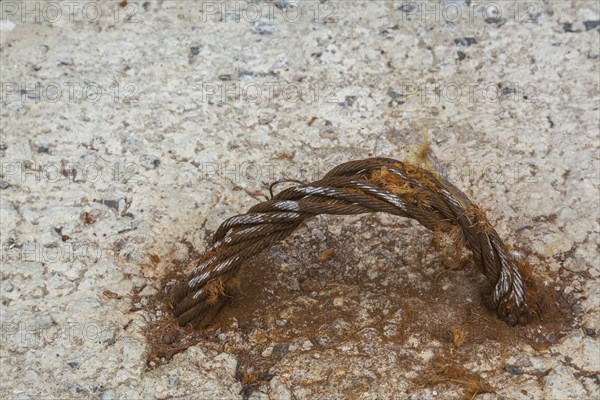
column 357, row 187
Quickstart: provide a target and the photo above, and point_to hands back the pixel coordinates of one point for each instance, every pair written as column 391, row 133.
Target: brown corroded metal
column 355, row 187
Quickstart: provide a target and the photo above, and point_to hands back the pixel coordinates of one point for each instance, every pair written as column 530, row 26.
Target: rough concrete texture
column 130, row 133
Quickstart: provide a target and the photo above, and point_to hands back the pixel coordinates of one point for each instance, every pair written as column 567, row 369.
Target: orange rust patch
column 459, row 336
column 215, row 289
column 447, row 239
column 401, row 188
column 538, row 297
column 325, row 255
column 479, row 220
column 473, row 384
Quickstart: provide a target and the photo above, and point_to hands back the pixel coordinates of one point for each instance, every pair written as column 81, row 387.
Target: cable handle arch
column 357, row 187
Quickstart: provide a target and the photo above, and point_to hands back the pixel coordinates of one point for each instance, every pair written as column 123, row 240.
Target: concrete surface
column 130, row 133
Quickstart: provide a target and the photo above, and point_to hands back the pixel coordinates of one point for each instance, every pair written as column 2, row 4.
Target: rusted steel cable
column 356, row 187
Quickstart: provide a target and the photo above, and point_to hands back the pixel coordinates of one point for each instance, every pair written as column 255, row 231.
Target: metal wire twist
column 356, row 187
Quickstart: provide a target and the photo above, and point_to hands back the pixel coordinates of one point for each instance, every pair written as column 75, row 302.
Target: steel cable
column 356, row 187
